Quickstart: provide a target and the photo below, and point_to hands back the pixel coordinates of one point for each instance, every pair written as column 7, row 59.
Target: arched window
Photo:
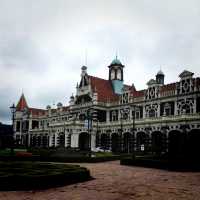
column 112, row 75
column 119, row 74
column 114, row 115
column 152, row 113
column 186, row 109
column 167, row 110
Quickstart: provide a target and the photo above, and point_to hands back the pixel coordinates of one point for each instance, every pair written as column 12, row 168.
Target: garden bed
column 36, row 175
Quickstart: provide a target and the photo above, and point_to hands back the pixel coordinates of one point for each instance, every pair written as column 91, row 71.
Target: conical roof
column 160, row 72
column 21, row 103
column 116, row 61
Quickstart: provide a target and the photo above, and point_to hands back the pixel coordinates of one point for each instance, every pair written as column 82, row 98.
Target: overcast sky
column 43, row 44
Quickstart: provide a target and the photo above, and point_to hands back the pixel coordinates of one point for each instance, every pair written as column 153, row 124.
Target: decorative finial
column 85, row 57
column 116, row 55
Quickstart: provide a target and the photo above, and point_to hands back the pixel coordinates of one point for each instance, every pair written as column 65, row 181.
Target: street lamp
column 97, row 134
column 89, row 121
column 13, row 110
column 121, row 128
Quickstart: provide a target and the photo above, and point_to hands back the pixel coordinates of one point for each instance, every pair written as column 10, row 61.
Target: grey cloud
column 21, row 51
column 43, row 42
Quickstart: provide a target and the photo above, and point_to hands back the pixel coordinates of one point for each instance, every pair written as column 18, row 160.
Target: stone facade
column 113, row 116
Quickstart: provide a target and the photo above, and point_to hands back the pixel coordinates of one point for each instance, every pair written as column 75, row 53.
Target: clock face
column 119, row 75
column 113, row 74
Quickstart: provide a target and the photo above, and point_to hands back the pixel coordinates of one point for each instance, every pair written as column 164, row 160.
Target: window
column 152, row 113
column 167, row 110
column 18, row 126
column 112, row 74
column 35, row 124
column 137, row 114
column 114, row 115
column 119, row 74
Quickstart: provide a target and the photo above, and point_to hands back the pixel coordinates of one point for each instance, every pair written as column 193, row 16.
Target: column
column 150, row 140
column 135, row 141
column 175, row 108
column 56, row 138
column 107, row 116
column 30, row 124
column 144, row 112
column 195, row 106
column 74, row 139
column 50, row 140
column 29, row 139
column 66, row 138
column 21, row 138
column 93, row 141
column 158, row 113
column 167, row 141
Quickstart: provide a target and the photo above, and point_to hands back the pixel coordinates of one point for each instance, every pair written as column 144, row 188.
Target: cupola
column 116, row 75
column 160, row 77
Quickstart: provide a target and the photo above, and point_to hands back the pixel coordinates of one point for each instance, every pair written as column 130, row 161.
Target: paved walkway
column 115, row 182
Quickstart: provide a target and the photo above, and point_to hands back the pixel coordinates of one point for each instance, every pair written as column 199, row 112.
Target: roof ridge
column 98, row 78
column 37, row 109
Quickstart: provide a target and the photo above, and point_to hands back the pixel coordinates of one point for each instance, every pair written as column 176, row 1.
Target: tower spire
column 86, row 57
column 116, row 55
column 22, row 103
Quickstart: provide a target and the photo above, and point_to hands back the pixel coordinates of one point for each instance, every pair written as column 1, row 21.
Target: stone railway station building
column 113, row 116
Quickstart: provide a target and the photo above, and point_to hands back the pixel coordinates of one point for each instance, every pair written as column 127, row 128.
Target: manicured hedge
column 35, row 175
column 81, row 159
column 175, row 164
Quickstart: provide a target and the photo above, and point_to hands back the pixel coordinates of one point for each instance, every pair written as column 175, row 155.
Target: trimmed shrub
column 80, row 159
column 178, row 164
column 29, row 175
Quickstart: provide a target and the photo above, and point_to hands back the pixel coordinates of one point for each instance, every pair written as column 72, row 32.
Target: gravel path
column 115, row 182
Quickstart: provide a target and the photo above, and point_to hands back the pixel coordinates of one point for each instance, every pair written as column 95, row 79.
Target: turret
column 160, row 77
column 116, row 75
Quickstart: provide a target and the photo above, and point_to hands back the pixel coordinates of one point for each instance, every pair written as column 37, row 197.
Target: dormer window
column 152, row 93
column 125, row 97
column 186, row 83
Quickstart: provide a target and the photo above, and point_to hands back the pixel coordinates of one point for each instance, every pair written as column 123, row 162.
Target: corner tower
column 116, row 75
